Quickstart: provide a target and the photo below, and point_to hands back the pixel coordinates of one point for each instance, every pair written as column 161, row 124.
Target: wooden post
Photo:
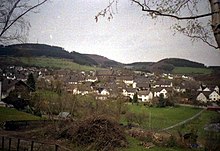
column 32, row 145
column 56, row 147
column 9, row 144
column 18, row 144
column 3, row 142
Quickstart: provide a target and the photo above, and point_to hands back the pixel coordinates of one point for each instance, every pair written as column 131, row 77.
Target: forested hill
column 104, row 62
column 182, row 63
column 168, row 65
column 37, row 50
column 165, row 65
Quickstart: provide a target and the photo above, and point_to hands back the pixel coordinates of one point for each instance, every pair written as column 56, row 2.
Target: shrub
column 139, row 118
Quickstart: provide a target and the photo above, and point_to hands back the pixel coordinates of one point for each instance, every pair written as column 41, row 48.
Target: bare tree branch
column 6, row 27
column 8, row 17
column 204, row 40
column 108, row 10
column 189, row 24
column 158, row 13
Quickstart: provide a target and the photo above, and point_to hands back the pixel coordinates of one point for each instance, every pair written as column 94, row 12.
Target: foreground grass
column 190, row 70
column 159, row 118
column 134, row 146
column 8, row 114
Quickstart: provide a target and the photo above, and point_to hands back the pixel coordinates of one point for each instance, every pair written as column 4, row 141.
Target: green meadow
column 160, row 118
column 48, row 63
column 55, row 63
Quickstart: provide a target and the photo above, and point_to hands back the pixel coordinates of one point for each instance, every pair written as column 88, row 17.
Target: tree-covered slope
column 38, row 50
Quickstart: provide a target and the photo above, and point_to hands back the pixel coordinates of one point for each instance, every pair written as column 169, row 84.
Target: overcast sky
column 128, row 37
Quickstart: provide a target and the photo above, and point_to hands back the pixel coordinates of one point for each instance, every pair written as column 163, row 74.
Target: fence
column 8, row 143
column 18, row 144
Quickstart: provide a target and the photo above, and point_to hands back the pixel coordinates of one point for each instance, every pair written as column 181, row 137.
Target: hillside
column 168, row 65
column 103, row 61
column 141, row 66
column 47, row 62
column 39, row 50
column 171, row 65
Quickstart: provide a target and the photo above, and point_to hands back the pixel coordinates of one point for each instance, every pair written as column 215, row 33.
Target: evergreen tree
column 135, row 98
column 31, row 81
column 162, row 102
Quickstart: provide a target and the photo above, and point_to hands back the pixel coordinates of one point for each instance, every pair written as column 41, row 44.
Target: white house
column 129, row 92
column 75, row 91
column 134, row 85
column 163, row 84
column 128, row 80
column 179, row 89
column 206, row 89
column 158, row 91
column 216, row 89
column 202, row 98
column 144, row 96
column 214, row 96
column 207, row 96
column 104, row 92
column 91, row 79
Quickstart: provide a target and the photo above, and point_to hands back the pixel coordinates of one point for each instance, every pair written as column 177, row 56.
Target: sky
column 129, row 37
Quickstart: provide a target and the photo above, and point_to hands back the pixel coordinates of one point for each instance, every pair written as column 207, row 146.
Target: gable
column 206, row 89
column 214, row 94
column 201, row 96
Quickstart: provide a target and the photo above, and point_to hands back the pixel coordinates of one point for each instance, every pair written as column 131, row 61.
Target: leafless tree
column 13, row 25
column 188, row 14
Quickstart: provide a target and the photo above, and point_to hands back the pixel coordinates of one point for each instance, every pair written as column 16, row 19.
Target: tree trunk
column 215, row 7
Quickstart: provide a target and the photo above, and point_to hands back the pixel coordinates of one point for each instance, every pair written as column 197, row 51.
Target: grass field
column 190, row 70
column 8, row 114
column 48, row 62
column 159, row 118
column 55, row 63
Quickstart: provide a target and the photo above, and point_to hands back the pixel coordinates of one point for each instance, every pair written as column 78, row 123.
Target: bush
column 138, row 118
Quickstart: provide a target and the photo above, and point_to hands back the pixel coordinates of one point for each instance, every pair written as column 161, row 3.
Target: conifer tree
column 31, row 81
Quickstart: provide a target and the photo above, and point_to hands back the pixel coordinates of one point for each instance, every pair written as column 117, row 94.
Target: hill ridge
column 39, row 50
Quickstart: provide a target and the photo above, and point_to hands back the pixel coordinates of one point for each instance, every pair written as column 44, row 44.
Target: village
column 109, row 75
column 111, row 83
